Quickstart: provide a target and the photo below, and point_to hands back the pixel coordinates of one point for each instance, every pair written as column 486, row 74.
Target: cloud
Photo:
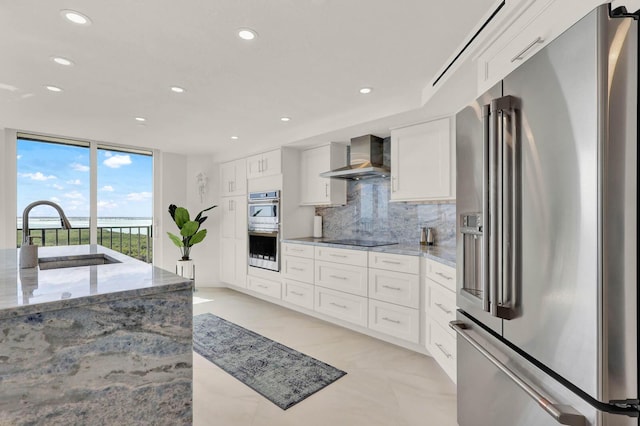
column 108, row 154
column 117, row 161
column 74, row 195
column 74, row 182
column 18, row 156
column 107, row 204
column 37, row 176
column 79, row 167
column 55, row 199
column 108, row 188
column 56, row 186
column 139, row 196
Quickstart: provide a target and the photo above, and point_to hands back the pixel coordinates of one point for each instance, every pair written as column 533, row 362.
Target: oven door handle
column 264, row 233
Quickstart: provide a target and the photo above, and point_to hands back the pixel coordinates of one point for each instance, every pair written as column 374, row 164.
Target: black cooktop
column 360, row 243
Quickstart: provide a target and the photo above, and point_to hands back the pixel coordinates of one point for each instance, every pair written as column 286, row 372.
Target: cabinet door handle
column 337, row 255
column 229, row 186
column 446, row 311
column 394, row 183
column 261, row 286
column 391, row 287
column 521, row 54
column 391, row 320
column 392, row 262
column 447, row 354
column 338, row 305
column 338, row 277
column 295, row 249
column 446, row 277
column 233, row 186
column 296, row 293
column 295, row 269
column 326, row 190
column 264, row 164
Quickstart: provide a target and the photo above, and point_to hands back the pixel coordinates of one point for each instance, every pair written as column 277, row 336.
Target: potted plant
column 190, row 235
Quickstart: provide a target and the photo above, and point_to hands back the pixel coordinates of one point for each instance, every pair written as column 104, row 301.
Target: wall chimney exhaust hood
column 365, row 160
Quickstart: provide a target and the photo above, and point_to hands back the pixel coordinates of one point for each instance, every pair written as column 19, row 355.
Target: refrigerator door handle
column 504, row 208
column 486, row 167
column 563, row 414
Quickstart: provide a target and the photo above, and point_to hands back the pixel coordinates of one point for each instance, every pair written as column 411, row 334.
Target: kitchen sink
column 74, row 261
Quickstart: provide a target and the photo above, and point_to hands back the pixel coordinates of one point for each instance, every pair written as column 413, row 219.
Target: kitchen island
column 101, row 344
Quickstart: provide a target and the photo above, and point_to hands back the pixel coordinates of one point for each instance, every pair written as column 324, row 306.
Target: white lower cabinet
column 343, row 306
column 298, row 293
column 398, row 321
column 266, row 287
column 440, row 309
column 395, row 287
column 298, row 268
column 348, row 278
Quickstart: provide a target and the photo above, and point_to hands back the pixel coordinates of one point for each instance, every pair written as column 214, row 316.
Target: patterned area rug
column 282, row 375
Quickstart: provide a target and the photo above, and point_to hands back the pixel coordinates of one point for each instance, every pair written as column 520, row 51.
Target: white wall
column 206, row 254
column 8, row 182
column 169, row 173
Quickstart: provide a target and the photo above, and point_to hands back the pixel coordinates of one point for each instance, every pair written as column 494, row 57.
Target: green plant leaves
column 199, row 236
column 181, row 216
column 176, row 240
column 189, row 228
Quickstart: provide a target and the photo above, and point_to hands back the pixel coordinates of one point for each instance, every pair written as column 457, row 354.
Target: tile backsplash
column 369, row 215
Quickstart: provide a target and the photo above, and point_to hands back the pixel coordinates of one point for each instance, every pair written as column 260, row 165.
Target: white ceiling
column 309, row 61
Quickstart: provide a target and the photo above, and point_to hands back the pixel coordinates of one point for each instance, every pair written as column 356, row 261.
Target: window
column 116, row 186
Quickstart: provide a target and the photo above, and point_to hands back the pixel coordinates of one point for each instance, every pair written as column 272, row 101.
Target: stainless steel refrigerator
column 547, row 324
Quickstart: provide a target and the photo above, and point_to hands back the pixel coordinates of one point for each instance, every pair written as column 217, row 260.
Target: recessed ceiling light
column 62, row 61
column 141, row 119
column 177, row 89
column 366, row 90
column 234, row 138
column 247, row 34
column 53, row 88
column 75, row 17
column 285, row 118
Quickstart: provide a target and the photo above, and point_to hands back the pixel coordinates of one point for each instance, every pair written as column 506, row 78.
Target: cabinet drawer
column 349, row 257
column 346, row 307
column 441, row 274
column 442, row 346
column 298, row 250
column 395, row 287
column 269, row 288
column 441, row 305
column 298, row 268
column 347, row 278
column 395, row 262
column 298, row 293
column 397, row 321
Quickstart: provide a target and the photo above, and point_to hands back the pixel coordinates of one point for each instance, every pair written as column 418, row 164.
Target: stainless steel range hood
column 366, row 160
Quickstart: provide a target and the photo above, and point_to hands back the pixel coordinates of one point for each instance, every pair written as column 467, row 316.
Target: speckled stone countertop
column 31, row 290
column 446, row 255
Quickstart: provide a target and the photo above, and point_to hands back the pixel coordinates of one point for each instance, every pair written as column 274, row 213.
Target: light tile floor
column 385, row 385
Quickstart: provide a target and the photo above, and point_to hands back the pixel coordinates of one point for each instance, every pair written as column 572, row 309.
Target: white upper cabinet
column 233, row 178
column 423, row 162
column 316, row 190
column 265, row 164
column 234, row 217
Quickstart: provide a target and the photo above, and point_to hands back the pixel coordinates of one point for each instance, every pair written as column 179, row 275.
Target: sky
column 60, row 173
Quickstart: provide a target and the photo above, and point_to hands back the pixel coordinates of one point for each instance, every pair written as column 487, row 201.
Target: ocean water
column 83, row 222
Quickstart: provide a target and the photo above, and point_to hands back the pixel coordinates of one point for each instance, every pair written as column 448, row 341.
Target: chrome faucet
column 29, row 251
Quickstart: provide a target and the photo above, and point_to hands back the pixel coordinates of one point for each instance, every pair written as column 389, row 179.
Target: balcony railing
column 134, row 241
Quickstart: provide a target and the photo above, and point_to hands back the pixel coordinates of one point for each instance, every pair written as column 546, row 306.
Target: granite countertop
column 446, row 255
column 31, row 290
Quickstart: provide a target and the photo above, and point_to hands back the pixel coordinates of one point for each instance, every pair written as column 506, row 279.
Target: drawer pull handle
column 520, row 54
column 338, row 277
column 338, row 305
column 391, row 287
column 296, row 293
column 446, row 311
column 446, row 277
column 393, row 262
column 391, row 320
column 447, row 354
column 337, row 255
column 296, row 269
column 261, row 286
column 295, row 249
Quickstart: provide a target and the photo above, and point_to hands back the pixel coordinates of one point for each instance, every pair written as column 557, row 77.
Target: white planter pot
column 186, row 269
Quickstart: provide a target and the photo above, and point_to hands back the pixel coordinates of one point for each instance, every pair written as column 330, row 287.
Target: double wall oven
column 264, row 227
